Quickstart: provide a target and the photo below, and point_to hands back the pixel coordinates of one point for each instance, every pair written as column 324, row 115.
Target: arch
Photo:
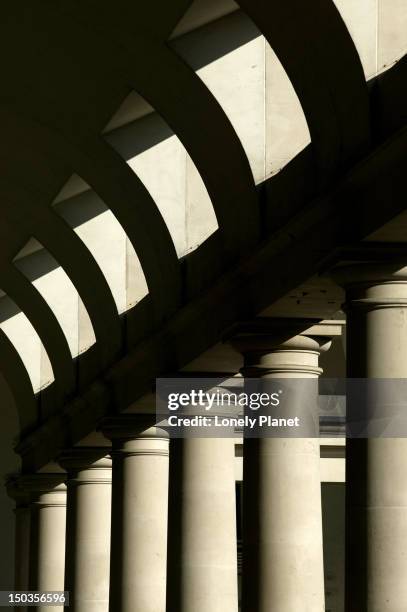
column 122, row 191
column 321, row 60
column 99, row 230
column 156, row 154
column 47, row 227
column 42, row 318
column 213, row 145
column 19, row 383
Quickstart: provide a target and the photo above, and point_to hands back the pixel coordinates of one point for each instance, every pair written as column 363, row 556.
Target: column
column 282, row 519
column 376, row 468
column 22, row 534
column 47, row 534
column 139, row 515
column 88, row 520
column 202, row 559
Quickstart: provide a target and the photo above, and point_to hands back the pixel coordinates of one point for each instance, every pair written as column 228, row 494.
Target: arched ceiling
column 66, row 69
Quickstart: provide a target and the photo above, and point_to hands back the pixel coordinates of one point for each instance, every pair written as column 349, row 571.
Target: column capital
column 45, row 489
column 133, row 434
column 130, row 426
column 223, row 400
column 282, row 345
column 372, row 285
column 87, row 465
column 264, row 333
column 17, row 491
column 366, row 272
column 372, row 274
column 42, row 481
column 85, row 457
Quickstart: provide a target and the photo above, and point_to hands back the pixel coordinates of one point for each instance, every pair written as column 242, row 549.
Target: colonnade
column 376, row 467
column 150, row 526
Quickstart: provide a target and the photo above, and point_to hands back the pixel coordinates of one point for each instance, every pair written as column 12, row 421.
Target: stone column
column 139, row 515
column 376, row 468
column 19, row 494
column 282, row 519
column 47, row 534
column 87, row 555
column 202, row 559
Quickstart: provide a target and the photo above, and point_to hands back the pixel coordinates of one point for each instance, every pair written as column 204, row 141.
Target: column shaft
column 282, row 516
column 282, row 533
column 139, row 516
column 202, row 566
column 21, row 536
column 376, row 474
column 47, row 536
column 87, row 556
column 22, row 548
